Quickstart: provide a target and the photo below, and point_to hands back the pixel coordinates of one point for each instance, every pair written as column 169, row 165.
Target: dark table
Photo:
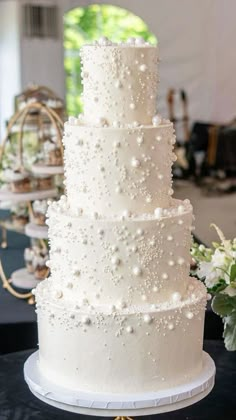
column 17, row 402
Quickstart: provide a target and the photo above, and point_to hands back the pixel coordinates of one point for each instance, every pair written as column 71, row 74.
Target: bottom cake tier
column 119, row 350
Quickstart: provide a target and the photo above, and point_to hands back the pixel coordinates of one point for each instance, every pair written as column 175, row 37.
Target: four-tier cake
column 119, row 312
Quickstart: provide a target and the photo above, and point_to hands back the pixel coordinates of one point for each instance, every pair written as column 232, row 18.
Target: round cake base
column 109, row 405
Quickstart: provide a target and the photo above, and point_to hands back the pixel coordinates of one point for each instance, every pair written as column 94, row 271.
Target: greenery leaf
column 230, row 332
column 221, row 285
column 233, row 272
column 223, row 304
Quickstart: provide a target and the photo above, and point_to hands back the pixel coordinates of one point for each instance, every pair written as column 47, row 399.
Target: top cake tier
column 120, row 82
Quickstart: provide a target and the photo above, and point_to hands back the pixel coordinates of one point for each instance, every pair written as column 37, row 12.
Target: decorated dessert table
column 18, row 402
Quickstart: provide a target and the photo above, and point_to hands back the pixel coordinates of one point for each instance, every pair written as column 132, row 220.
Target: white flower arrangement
column 216, row 267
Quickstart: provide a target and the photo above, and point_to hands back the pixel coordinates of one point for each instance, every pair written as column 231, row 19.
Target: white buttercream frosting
column 119, row 289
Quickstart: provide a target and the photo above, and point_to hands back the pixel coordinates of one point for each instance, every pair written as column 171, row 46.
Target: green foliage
column 224, row 304
column 85, row 25
column 230, row 332
column 233, row 273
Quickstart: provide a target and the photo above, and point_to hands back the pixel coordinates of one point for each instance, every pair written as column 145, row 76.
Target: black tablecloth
column 17, row 402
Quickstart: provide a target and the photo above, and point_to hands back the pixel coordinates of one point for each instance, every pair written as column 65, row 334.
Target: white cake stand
column 98, row 404
column 42, row 169
column 36, row 231
column 21, row 278
column 7, row 195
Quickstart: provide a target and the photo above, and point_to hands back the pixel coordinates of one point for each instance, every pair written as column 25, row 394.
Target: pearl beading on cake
column 120, row 260
column 113, row 170
column 111, row 92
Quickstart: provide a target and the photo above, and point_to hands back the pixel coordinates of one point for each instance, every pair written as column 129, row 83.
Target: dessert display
column 53, row 153
column 35, row 261
column 39, row 211
column 39, row 264
column 19, row 181
column 28, row 257
column 20, row 214
column 119, row 312
column 43, row 182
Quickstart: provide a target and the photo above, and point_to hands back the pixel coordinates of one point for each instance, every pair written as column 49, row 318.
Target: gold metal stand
column 4, row 238
column 6, row 285
column 123, row 418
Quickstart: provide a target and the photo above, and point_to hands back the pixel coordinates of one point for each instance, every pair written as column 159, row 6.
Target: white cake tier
column 120, row 262
column 120, row 83
column 136, row 349
column 116, row 170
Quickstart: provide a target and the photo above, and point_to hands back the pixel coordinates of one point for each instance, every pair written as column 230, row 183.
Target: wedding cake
column 119, row 313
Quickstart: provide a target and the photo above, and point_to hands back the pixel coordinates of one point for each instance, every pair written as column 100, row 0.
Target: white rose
column 218, row 259
column 207, row 270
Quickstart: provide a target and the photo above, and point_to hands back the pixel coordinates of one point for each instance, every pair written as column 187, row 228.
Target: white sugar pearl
column 208, row 296
column 118, row 84
column 158, row 212
column 86, row 320
column 147, row 318
column 126, row 213
column 132, row 106
column 160, row 176
column 102, row 122
column 139, row 232
column 81, row 116
column 155, row 289
column 165, row 276
column 139, row 140
column 139, row 40
column 130, row 41
column 156, row 120
column 180, row 209
column 171, row 326
column 48, row 263
column 129, row 329
column 171, row 263
column 135, row 162
column 170, row 238
column 72, row 120
column 137, row 271
column 180, row 222
column 103, row 40
column 121, row 304
column 189, row 315
column 181, row 261
column 176, row 297
column 58, row 294
column 143, row 67
column 118, row 190
column 115, row 260
column 158, row 138
column 114, row 248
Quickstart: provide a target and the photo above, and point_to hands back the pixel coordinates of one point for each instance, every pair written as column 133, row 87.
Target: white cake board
column 23, row 279
column 7, row 195
column 42, row 169
column 98, row 404
column 36, row 231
